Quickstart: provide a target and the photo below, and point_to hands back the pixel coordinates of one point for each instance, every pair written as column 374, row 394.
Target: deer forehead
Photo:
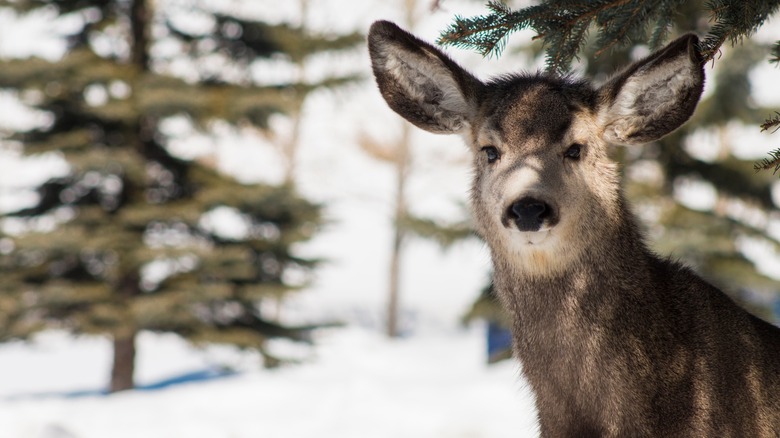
column 537, row 111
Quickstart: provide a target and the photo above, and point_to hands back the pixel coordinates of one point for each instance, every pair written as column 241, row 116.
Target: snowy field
column 355, row 384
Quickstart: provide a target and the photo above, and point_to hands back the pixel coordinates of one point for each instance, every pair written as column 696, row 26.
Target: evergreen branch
column 624, row 26
column 558, row 60
column 774, row 122
column 486, row 34
column 775, row 51
column 734, row 21
column 773, row 162
column 563, row 25
column 662, row 26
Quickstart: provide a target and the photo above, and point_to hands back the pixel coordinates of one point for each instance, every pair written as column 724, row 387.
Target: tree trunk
column 395, row 277
column 123, row 367
column 402, row 170
column 290, row 149
column 124, row 362
column 139, row 20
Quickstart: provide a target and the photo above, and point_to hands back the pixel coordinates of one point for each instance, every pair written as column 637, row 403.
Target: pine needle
column 773, row 162
column 774, row 122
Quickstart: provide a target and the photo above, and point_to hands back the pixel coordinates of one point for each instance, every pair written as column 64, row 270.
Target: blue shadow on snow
column 208, row 374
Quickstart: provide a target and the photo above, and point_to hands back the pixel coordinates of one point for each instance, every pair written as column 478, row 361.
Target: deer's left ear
column 653, row 96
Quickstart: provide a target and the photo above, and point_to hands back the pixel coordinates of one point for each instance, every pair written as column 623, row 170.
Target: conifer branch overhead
column 734, row 20
column 563, row 25
column 487, row 34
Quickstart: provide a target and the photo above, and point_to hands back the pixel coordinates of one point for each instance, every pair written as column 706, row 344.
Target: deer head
column 544, row 189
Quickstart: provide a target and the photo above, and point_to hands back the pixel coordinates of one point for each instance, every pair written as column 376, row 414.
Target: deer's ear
column 419, row 82
column 654, row 96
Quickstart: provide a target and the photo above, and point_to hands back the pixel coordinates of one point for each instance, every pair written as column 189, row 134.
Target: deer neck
column 583, row 294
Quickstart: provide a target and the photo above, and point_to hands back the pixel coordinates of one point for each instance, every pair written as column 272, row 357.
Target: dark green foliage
column 261, row 39
column 734, row 20
column 564, row 25
column 244, row 41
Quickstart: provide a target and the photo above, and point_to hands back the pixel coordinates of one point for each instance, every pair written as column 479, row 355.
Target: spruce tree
column 709, row 237
column 123, row 243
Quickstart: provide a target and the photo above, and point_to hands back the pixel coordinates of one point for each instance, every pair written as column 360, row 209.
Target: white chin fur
column 535, row 253
column 533, row 237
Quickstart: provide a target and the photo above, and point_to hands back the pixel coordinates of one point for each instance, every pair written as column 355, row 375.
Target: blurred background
column 213, row 226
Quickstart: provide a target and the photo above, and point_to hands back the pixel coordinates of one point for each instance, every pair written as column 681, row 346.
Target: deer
column 613, row 339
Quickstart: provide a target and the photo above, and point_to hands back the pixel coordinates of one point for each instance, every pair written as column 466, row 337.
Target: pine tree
column 123, row 243
column 708, row 237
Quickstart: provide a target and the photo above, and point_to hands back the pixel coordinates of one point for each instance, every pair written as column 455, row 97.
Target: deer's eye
column 573, row 152
column 491, row 153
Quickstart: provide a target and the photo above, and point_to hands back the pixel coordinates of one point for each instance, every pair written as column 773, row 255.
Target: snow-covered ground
column 354, row 384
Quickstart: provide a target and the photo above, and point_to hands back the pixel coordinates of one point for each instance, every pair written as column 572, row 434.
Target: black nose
column 529, row 213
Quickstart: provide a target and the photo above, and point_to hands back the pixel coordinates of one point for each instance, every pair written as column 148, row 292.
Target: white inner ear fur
column 430, row 83
column 646, row 96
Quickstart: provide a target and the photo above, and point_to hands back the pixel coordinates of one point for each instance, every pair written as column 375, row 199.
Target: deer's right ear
column 419, row 82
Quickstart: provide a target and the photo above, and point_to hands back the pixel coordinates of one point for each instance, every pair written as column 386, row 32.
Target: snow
column 356, row 383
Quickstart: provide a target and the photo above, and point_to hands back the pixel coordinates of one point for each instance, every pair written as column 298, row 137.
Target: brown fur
column 614, row 340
